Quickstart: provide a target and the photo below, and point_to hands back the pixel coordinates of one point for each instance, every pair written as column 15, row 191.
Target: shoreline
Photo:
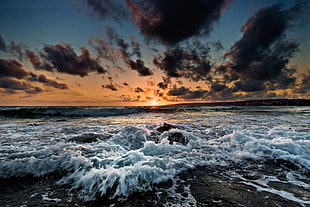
column 209, row 188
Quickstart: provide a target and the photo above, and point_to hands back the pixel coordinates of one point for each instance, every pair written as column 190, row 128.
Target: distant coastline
column 264, row 102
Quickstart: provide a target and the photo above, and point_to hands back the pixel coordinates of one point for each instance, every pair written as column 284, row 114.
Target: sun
column 155, row 102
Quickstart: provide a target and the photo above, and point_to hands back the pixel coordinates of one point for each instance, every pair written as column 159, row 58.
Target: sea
column 155, row 156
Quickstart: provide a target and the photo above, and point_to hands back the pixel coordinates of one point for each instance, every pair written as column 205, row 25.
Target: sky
column 152, row 52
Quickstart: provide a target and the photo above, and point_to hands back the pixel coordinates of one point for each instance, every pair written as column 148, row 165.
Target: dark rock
column 153, row 136
column 85, row 138
column 29, row 191
column 212, row 189
column 165, row 127
column 177, row 137
column 282, row 163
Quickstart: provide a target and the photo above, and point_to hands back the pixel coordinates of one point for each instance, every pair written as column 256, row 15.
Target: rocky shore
column 207, row 187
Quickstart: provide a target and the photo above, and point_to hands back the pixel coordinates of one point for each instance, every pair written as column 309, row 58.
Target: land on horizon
column 263, row 102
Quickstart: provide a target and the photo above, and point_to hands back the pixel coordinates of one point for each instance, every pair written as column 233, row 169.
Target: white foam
column 46, row 197
column 126, row 159
column 282, row 193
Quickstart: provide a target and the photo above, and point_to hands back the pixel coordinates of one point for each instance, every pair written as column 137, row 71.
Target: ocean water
column 115, row 152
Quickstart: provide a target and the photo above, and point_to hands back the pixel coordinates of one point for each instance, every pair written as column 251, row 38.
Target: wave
column 131, row 161
column 99, row 111
column 70, row 112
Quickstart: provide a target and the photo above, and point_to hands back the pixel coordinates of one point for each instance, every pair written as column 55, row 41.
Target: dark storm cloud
column 248, row 86
column 261, row 53
column 179, row 91
column 139, row 66
column 43, row 79
column 216, row 87
column 172, row 21
column 12, row 68
column 64, row 59
column 193, row 63
column 198, row 94
column 185, row 93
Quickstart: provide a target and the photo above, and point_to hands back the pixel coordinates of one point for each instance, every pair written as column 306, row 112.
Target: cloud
column 112, row 87
column 248, row 86
column 12, row 68
column 187, row 94
column 11, row 86
column 303, row 85
column 107, row 8
column 117, row 50
column 216, row 87
column 36, row 61
column 127, row 98
column 10, row 83
column 193, row 63
column 172, row 21
column 139, row 66
column 123, row 47
column 43, row 79
column 259, row 60
column 136, row 47
column 261, row 53
column 64, row 59
column 105, row 50
column 3, row 46
column 16, row 49
column 139, row 90
column 217, row 46
column 164, row 85
column 179, row 91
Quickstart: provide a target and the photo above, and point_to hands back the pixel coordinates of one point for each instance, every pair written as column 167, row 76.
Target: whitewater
column 109, row 155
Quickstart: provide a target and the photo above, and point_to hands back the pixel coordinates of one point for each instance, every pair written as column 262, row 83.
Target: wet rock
column 177, row 137
column 165, row 127
column 85, row 138
column 283, row 163
column 213, row 189
column 153, row 136
column 31, row 191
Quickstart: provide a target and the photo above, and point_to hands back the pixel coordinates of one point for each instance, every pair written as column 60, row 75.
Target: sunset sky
column 148, row 52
